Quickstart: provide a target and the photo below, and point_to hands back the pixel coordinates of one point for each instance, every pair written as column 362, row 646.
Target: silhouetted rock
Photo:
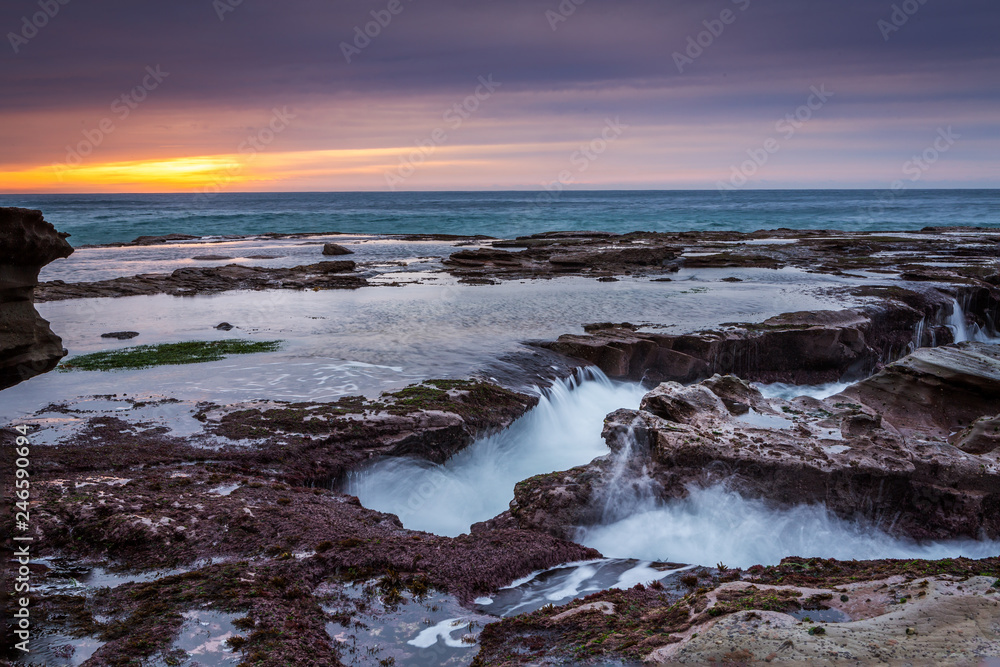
column 28, row 347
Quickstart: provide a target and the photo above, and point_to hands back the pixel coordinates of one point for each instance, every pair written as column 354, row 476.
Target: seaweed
column 166, row 354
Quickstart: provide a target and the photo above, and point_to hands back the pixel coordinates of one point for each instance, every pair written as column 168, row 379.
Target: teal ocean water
column 94, row 219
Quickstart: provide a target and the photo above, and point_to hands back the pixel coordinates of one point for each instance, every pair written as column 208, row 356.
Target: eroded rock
column 28, row 346
column 801, row 348
column 878, row 450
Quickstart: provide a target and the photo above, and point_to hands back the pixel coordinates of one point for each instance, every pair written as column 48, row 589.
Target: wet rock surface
column 246, row 510
column 121, row 335
column 800, row 348
column 879, row 451
column 886, row 612
column 928, row 255
column 209, row 280
column 244, row 492
column 334, row 249
column 28, row 347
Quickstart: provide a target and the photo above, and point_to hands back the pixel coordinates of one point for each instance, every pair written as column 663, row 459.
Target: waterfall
column 964, row 330
column 629, row 488
column 716, row 524
column 957, row 323
column 710, row 525
column 562, row 432
column 918, row 334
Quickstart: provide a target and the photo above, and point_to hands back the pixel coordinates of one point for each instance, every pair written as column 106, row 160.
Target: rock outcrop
column 209, row 280
column 879, row 451
column 800, row 348
column 566, row 253
column 801, row 612
column 28, row 347
column 335, row 249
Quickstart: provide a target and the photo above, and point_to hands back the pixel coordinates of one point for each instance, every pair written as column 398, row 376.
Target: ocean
column 97, row 219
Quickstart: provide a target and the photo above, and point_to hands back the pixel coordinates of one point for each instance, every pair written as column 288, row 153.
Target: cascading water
column 716, row 525
column 789, row 391
column 963, row 331
column 562, row 432
column 957, row 323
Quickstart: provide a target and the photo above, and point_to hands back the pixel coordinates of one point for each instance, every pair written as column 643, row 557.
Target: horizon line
column 501, row 191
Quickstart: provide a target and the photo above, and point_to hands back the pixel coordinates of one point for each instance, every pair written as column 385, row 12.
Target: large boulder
column 28, row 347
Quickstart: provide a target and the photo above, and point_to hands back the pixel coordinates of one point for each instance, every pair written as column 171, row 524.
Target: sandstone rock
column 982, row 437
column 334, row 249
column 935, row 390
column 28, row 347
column 801, row 348
column 877, row 451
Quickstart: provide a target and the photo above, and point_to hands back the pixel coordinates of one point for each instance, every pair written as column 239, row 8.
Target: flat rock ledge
column 810, row 347
column 210, row 280
column 801, row 612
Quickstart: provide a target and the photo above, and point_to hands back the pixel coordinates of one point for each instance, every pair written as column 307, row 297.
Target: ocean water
column 95, row 219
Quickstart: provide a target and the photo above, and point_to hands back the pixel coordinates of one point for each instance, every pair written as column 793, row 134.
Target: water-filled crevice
column 477, row 484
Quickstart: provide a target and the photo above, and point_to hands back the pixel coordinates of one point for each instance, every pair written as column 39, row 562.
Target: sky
column 360, row 95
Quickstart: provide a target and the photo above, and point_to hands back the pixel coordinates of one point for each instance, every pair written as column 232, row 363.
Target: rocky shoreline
column 247, row 514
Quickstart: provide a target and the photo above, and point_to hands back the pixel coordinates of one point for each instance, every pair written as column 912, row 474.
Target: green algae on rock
column 167, row 354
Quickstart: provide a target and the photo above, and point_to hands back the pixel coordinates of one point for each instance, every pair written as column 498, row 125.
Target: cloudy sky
column 248, row 95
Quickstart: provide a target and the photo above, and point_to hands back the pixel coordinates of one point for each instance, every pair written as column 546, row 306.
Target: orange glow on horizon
column 221, row 172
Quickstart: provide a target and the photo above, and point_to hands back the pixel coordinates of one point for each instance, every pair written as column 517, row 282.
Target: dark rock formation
column 120, row 335
column 334, row 249
column 970, row 253
column 878, row 451
column 208, row 280
column 801, row 348
column 28, row 347
column 149, row 499
column 565, row 253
